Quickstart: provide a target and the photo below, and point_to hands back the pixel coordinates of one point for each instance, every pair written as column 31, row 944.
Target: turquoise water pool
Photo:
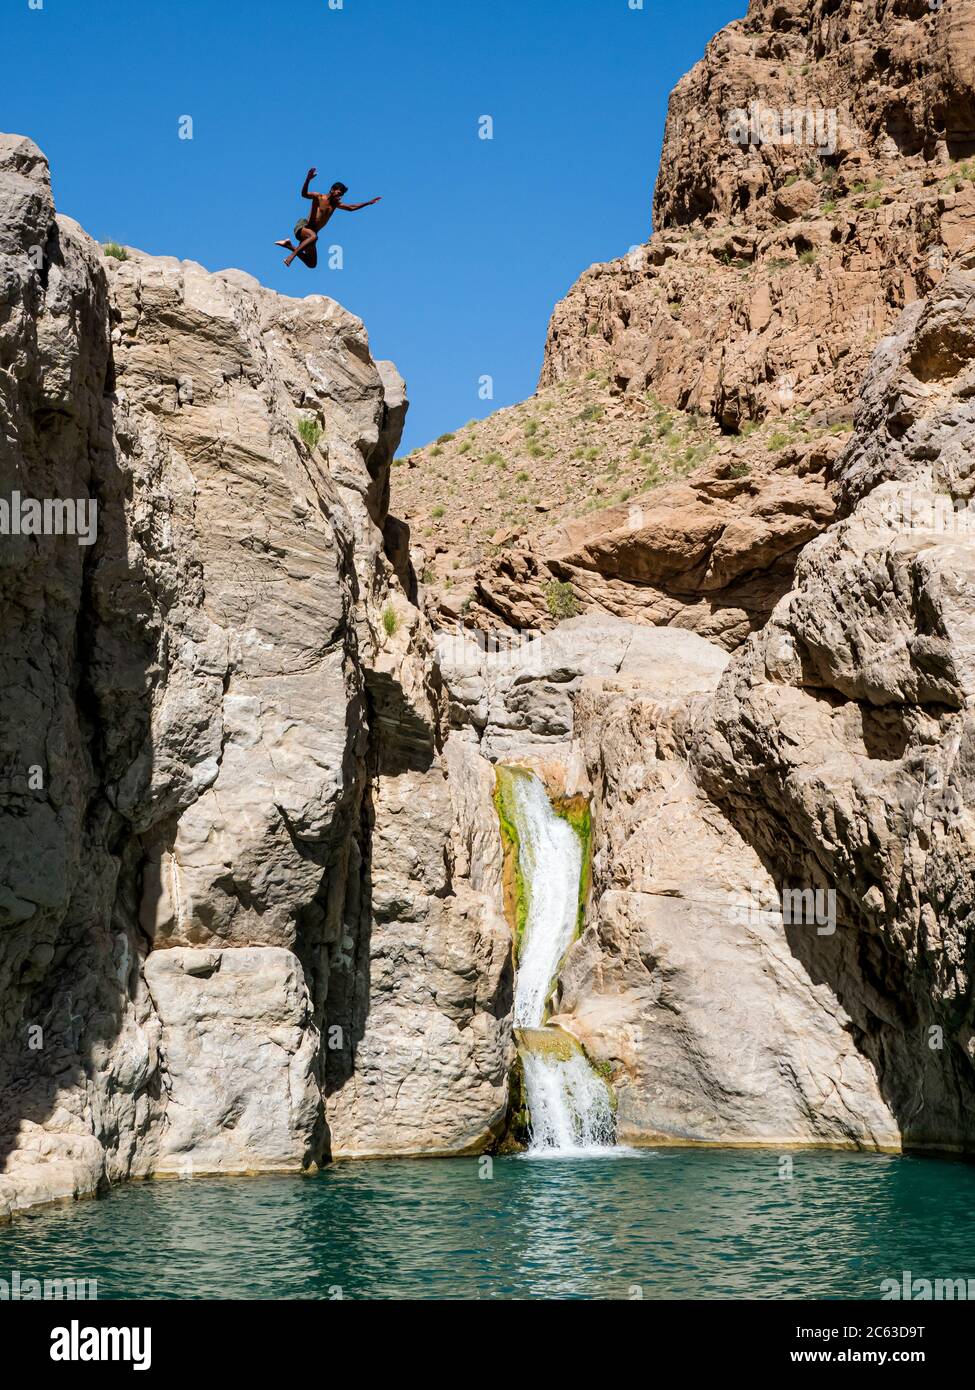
column 660, row 1224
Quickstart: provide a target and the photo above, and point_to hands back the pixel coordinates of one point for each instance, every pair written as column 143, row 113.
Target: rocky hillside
column 816, row 177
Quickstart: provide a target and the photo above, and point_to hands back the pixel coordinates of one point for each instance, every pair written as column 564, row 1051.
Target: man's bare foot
column 286, row 244
column 289, row 259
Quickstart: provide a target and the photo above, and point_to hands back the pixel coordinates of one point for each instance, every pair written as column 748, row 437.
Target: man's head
column 338, row 190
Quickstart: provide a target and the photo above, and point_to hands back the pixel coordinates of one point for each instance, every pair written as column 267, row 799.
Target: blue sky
column 457, row 270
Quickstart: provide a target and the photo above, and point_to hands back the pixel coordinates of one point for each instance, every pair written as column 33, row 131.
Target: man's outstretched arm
column 355, row 207
column 304, row 188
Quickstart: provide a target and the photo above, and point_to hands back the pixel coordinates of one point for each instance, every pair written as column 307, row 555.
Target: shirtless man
column 322, row 206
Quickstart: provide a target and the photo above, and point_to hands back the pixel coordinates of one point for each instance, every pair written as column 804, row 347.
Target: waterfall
column 550, row 859
column 568, row 1103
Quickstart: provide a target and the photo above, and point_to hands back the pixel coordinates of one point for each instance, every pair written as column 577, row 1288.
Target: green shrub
column 739, row 470
column 390, row 620
column 561, row 600
column 807, row 257
column 444, row 438
column 531, row 428
column 436, row 451
column 591, row 413
column 310, row 431
column 117, row 253
column 437, row 513
column 778, row 440
column 496, row 459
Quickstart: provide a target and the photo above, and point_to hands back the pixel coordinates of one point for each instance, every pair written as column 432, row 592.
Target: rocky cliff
column 777, row 945
column 220, row 736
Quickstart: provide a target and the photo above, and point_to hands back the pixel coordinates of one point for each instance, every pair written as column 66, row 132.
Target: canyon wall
column 777, row 946
column 220, row 734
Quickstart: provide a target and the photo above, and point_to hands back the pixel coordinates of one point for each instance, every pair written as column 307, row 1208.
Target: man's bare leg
column 308, row 239
column 287, row 245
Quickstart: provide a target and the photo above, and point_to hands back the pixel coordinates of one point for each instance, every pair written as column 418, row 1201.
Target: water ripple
column 666, row 1223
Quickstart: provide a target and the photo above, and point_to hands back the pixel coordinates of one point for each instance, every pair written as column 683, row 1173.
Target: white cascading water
column 550, row 859
column 568, row 1104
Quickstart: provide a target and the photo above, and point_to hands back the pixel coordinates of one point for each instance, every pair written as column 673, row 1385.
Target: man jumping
column 322, row 206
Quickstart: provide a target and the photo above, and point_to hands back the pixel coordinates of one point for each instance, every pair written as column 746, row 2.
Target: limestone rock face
column 240, row 1053
column 685, row 981
column 435, row 989
column 840, row 741
column 900, row 84
column 515, row 697
column 712, row 554
column 778, row 946
column 207, row 725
